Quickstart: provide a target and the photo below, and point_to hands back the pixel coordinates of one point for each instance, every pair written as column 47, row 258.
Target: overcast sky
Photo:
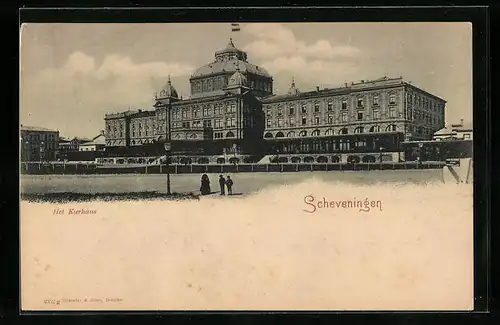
column 72, row 74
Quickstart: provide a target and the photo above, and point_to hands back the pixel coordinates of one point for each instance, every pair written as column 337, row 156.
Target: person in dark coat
column 205, row 185
column 229, row 184
column 222, row 183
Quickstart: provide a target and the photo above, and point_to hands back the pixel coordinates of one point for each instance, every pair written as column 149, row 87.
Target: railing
column 82, row 168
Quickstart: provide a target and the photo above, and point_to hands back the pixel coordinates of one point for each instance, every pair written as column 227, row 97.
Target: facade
column 39, row 144
column 223, row 114
column 367, row 118
column 232, row 112
column 459, row 131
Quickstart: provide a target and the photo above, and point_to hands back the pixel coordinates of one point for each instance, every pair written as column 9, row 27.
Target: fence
column 84, row 169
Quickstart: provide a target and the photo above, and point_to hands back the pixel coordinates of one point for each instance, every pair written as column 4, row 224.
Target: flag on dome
column 235, row 27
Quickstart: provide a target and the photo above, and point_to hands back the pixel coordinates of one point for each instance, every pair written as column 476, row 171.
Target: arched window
column 329, row 132
column 291, row 134
column 359, row 129
column 303, row 133
column 343, row 131
column 391, row 128
column 375, row 128
column 230, row 135
column 192, row 136
column 315, row 133
column 268, row 135
column 177, row 136
column 279, row 135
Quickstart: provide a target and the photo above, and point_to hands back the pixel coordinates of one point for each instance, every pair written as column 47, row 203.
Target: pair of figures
column 225, row 182
column 205, row 185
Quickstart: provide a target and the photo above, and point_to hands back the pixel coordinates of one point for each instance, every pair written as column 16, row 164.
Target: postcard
column 246, row 166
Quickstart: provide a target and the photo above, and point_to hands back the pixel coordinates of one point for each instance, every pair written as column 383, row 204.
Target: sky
column 73, row 74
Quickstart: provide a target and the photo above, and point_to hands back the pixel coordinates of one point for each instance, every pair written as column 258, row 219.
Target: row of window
column 304, row 133
column 218, row 123
column 329, row 120
column 424, row 102
column 217, row 109
column 330, row 105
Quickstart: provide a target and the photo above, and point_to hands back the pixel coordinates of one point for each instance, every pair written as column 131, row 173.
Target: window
column 233, row 108
column 280, row 122
column 315, row 133
column 280, row 110
column 268, row 123
column 344, row 117
column 466, row 136
column 304, row 109
column 268, row 111
column 392, row 99
column 231, row 122
column 304, row 121
column 303, row 134
column 330, row 106
column 344, row 104
column 218, row 123
column 392, row 112
column 206, row 111
column 391, row 128
column 207, row 123
column 359, row 130
column 291, row 109
column 316, row 120
column 196, row 112
column 360, row 103
column 376, row 101
column 376, row 115
column 291, row 121
column 330, row 119
column 360, row 116
column 316, row 107
column 360, row 143
column 228, row 108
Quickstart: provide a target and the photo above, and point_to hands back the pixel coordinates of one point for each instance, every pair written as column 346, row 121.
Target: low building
column 38, row 144
column 98, row 143
column 462, row 131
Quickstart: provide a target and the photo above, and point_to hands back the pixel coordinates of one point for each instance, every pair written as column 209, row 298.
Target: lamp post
column 42, row 158
column 168, row 147
column 235, row 147
column 419, row 158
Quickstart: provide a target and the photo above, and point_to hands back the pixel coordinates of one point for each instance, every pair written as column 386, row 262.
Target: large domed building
column 222, row 116
column 232, row 115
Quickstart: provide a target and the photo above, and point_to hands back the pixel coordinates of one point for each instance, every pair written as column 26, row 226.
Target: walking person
column 229, row 184
column 222, row 183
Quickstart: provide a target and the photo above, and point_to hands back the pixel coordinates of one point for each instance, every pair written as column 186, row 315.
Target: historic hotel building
column 232, row 113
column 365, row 117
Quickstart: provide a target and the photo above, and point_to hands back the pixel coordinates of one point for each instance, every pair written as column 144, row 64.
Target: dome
column 168, row 90
column 227, row 60
column 229, row 66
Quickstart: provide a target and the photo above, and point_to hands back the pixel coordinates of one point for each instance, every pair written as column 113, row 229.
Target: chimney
column 317, row 88
column 345, row 84
column 362, row 81
column 462, row 122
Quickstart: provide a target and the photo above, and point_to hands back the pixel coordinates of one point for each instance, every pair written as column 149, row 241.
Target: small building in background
column 38, row 143
column 461, row 131
column 98, row 143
